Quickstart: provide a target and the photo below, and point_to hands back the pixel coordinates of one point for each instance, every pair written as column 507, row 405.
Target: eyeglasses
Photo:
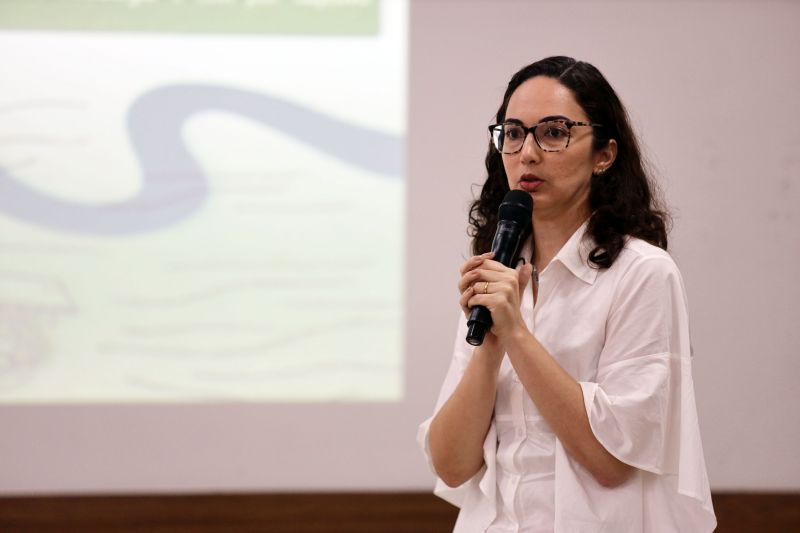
column 550, row 135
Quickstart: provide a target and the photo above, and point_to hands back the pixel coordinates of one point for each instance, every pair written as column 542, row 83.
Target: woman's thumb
column 525, row 276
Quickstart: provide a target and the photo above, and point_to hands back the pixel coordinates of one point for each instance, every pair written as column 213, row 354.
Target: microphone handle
column 505, row 245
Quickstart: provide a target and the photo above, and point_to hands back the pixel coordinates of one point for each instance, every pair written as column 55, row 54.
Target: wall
column 711, row 88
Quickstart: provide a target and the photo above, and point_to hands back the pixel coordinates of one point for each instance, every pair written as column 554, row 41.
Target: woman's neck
column 551, row 233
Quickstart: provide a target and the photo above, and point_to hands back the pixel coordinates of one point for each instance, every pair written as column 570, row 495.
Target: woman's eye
column 555, row 132
column 513, row 133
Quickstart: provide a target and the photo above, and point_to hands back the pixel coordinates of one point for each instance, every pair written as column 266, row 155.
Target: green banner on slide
column 287, row 17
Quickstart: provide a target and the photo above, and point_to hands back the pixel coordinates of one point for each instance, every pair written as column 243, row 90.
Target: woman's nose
column 530, row 151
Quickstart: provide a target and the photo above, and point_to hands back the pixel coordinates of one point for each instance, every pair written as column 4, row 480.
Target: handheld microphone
column 514, row 218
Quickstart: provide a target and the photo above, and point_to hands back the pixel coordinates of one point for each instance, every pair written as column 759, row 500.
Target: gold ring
column 486, row 288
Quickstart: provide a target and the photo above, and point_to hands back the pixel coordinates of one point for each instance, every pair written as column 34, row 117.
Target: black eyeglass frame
column 532, row 130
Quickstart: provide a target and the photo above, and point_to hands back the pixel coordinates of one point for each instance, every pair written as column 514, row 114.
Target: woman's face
column 558, row 181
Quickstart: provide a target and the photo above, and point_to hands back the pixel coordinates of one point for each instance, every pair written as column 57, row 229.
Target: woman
column 577, row 412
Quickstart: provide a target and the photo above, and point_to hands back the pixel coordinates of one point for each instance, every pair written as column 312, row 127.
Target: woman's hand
column 498, row 288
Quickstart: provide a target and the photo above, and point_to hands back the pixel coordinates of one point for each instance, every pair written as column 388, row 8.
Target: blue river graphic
column 155, row 122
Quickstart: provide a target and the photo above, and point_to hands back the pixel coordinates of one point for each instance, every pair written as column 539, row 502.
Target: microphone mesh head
column 517, row 206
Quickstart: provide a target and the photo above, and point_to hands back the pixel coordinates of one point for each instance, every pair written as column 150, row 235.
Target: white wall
column 712, row 88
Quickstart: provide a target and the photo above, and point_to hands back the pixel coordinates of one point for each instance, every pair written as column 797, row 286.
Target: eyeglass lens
column 552, row 136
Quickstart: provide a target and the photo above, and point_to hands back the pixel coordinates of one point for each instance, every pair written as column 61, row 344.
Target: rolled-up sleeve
column 478, row 491
column 641, row 407
column 634, row 405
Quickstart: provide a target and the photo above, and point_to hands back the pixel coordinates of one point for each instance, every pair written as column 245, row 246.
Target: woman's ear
column 604, row 157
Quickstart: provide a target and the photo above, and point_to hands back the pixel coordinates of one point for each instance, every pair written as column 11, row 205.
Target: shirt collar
column 575, row 255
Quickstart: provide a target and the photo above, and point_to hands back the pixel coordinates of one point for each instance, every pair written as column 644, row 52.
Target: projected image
column 202, row 201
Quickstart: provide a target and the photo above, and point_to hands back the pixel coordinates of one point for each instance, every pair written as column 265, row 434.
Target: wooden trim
column 757, row 512
column 313, row 513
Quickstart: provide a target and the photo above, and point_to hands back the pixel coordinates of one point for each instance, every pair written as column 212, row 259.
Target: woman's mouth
column 529, row 183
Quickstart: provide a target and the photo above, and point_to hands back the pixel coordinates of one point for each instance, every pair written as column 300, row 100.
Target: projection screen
column 202, row 201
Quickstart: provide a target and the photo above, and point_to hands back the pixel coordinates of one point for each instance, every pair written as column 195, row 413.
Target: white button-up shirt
column 623, row 334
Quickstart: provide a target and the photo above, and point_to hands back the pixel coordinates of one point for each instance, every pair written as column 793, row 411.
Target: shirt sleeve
column 641, row 407
column 480, row 489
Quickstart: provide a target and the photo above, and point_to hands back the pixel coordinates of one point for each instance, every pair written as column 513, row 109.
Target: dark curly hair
column 621, row 201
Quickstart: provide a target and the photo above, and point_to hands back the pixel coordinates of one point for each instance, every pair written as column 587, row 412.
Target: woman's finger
column 483, row 274
column 463, row 301
column 467, row 280
column 479, row 275
column 474, row 261
column 525, row 273
column 490, row 264
column 486, row 300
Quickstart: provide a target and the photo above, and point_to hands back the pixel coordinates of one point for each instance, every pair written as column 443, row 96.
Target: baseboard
column 314, row 513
